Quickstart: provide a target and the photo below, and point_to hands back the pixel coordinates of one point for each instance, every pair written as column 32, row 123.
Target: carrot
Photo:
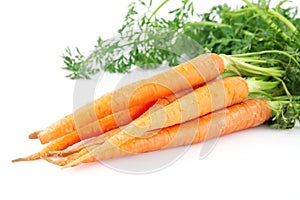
column 102, row 125
column 187, row 75
column 241, row 116
column 93, row 129
column 59, row 144
column 96, row 128
column 213, row 96
column 102, row 138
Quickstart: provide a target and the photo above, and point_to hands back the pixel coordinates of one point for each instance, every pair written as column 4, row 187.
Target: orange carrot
column 102, row 138
column 91, row 130
column 211, row 97
column 96, row 128
column 86, row 144
column 241, row 116
column 187, row 75
column 102, row 125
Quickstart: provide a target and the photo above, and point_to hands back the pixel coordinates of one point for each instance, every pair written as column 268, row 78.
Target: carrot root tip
column 34, row 135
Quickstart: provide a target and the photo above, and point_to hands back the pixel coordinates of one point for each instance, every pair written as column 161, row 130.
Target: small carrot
column 211, row 97
column 103, row 125
column 241, row 116
column 102, row 138
column 96, row 128
column 187, row 75
column 91, row 130
column 59, row 144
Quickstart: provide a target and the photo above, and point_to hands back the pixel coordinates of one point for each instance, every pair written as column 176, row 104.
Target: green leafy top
column 138, row 43
column 256, row 42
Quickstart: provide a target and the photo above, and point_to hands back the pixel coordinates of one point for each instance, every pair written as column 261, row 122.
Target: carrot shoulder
column 187, row 75
column 241, row 116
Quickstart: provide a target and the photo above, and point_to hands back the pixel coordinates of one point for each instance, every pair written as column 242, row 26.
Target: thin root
column 35, row 156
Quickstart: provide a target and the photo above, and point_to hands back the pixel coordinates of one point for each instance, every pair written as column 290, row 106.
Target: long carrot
column 187, row 75
column 91, row 130
column 241, row 116
column 102, row 138
column 211, row 97
column 103, row 125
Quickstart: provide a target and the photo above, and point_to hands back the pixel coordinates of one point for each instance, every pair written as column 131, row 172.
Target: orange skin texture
column 187, row 75
column 247, row 114
column 213, row 96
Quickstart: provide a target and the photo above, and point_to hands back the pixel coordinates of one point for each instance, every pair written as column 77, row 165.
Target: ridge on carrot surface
column 240, row 116
column 192, row 73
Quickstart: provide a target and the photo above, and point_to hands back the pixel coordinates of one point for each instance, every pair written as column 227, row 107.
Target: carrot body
column 87, row 144
column 109, row 123
column 101, row 125
column 245, row 115
column 91, row 130
column 102, row 138
column 187, row 75
column 237, row 117
column 211, row 97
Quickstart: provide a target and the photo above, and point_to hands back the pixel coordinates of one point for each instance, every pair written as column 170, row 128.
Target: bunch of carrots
column 186, row 104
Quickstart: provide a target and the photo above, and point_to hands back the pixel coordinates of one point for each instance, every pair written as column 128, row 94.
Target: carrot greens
column 255, row 40
column 253, row 27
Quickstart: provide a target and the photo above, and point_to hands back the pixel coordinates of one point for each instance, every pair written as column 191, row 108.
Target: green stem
column 205, row 23
column 257, row 85
column 284, row 87
column 284, row 20
column 157, row 9
column 267, row 19
column 216, row 24
column 269, row 52
column 239, row 66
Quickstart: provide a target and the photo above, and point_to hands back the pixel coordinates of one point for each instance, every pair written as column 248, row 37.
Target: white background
column 252, row 164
